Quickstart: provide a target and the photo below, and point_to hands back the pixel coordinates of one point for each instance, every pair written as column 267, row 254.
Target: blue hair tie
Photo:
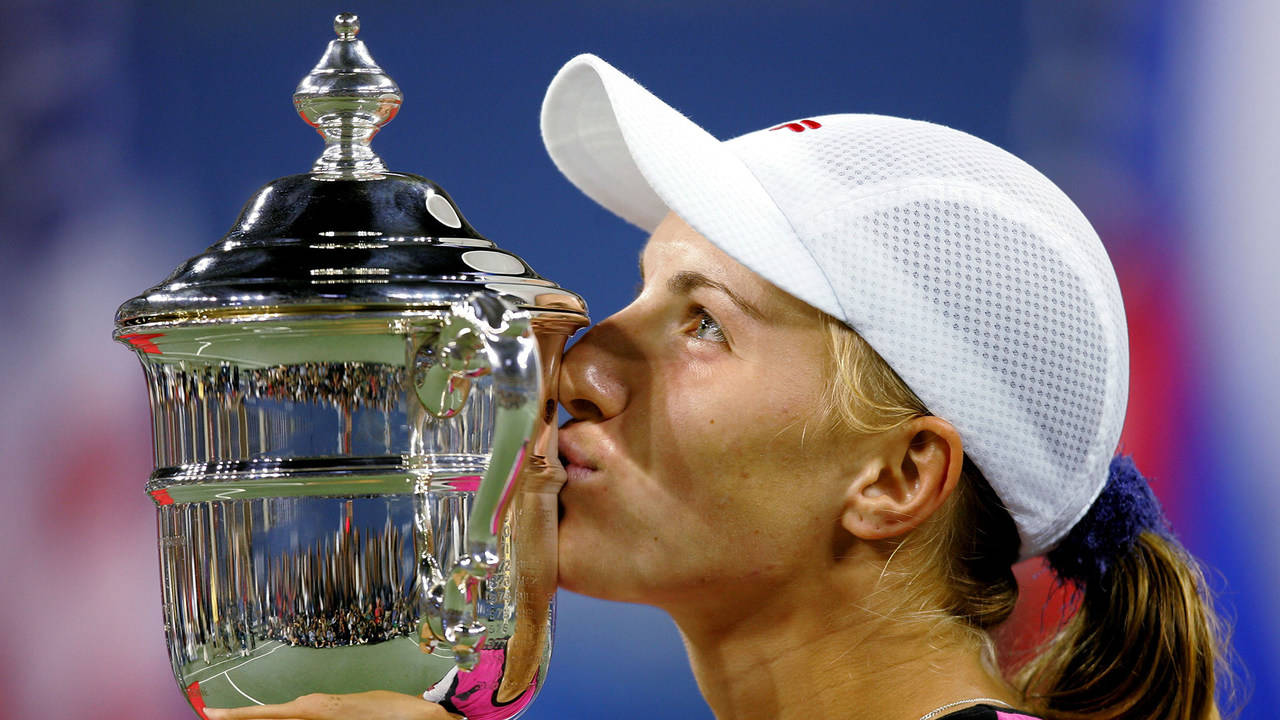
column 1125, row 509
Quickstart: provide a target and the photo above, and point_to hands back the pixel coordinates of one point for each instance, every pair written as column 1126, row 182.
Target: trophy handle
column 483, row 335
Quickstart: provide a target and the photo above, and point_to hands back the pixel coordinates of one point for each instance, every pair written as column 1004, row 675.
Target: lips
column 571, row 456
column 578, row 466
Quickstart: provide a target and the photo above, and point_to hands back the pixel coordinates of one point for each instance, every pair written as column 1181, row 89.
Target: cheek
column 740, row 434
column 757, row 495
column 743, row 456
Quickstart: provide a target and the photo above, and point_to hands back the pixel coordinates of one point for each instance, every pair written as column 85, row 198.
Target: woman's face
column 698, row 456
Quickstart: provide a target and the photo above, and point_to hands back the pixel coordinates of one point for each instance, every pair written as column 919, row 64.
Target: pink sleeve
column 1013, row 716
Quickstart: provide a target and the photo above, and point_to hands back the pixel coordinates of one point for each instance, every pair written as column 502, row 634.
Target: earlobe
column 917, row 469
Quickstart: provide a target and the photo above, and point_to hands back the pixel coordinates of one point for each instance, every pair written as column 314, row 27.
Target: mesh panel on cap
column 980, row 283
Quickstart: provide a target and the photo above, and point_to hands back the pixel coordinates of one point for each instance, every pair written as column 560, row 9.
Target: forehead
column 675, row 247
column 674, row 240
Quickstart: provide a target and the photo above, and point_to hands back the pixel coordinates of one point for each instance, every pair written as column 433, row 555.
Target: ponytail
column 1146, row 641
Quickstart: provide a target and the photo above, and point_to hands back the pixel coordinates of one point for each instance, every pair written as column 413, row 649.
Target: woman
column 873, row 363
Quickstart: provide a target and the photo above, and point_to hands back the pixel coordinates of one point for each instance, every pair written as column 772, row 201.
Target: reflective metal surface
column 348, row 236
column 354, row 433
column 347, row 98
column 314, row 513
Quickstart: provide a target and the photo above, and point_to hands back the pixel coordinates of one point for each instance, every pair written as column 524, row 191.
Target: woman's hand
column 374, row 705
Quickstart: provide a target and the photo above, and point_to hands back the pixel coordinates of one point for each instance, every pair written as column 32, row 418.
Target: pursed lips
column 578, row 465
column 570, row 455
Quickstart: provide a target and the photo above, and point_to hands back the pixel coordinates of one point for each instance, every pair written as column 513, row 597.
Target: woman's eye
column 707, row 328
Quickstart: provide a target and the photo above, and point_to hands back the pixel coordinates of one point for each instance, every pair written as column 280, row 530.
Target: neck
column 821, row 652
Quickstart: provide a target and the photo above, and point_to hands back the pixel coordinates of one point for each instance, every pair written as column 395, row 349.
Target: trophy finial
column 347, row 25
column 347, row 98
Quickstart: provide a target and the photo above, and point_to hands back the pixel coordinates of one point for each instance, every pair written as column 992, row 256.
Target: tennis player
column 874, row 362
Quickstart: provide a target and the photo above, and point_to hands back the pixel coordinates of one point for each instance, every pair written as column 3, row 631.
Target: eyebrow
column 686, row 281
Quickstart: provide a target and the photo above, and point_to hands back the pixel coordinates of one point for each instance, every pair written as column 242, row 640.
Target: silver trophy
column 354, row 427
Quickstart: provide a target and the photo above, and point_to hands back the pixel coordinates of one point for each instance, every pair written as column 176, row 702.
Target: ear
column 917, row 467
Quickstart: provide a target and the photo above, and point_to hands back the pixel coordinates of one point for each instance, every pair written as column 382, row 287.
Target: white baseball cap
column 976, row 279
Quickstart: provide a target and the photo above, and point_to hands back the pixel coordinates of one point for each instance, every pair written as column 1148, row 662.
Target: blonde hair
column 1155, row 614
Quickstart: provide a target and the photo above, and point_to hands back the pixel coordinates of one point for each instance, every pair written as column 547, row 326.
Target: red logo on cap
column 799, row 126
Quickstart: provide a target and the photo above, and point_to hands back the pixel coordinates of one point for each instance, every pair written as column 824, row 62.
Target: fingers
column 375, row 705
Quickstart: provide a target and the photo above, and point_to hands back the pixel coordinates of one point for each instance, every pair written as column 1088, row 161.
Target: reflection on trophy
column 355, row 463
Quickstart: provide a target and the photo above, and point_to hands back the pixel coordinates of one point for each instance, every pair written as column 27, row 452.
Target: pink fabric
column 473, row 694
column 1013, row 716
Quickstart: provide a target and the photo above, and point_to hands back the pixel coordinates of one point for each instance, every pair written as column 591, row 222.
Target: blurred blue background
column 131, row 133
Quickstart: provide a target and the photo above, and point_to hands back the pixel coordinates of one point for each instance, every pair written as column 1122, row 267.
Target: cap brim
column 640, row 158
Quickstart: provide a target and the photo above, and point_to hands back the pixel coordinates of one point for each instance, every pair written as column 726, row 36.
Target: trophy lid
column 349, row 236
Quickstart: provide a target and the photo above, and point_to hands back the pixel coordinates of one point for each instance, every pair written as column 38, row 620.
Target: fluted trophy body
column 354, row 431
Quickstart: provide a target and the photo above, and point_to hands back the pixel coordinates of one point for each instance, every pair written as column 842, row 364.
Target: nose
column 592, row 379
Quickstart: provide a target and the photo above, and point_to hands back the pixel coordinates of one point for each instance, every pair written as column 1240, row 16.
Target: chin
column 576, row 573
column 596, row 575
column 575, row 582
